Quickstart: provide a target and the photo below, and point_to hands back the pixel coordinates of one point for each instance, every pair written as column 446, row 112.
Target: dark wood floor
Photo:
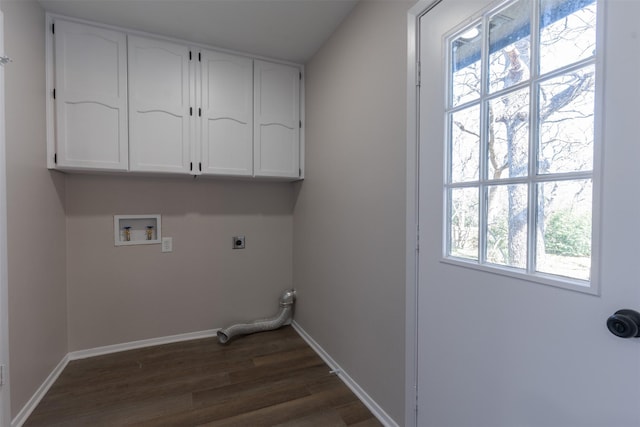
column 266, row 379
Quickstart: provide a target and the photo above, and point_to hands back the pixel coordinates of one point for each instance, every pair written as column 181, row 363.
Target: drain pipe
column 287, row 300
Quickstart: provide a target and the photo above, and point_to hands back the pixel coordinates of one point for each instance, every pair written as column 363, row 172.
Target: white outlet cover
column 167, row 244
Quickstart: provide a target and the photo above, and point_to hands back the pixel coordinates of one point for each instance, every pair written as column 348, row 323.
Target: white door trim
column 412, row 274
column 5, row 408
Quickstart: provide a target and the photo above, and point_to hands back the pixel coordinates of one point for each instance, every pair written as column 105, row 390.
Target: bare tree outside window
column 521, row 138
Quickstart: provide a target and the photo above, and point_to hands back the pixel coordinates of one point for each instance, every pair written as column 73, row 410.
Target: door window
column 520, row 139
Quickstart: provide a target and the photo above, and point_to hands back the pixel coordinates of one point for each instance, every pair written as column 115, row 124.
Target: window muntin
column 520, row 139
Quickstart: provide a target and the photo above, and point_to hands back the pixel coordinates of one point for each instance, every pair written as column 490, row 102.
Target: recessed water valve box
column 137, row 229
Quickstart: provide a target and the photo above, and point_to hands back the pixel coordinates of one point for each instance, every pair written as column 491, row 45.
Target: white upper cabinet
column 159, row 106
column 226, row 123
column 128, row 102
column 90, row 86
column 277, row 120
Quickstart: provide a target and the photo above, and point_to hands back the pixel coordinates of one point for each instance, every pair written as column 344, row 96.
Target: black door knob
column 624, row 323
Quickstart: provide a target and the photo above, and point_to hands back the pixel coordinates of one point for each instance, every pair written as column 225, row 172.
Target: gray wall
column 346, row 222
column 349, row 217
column 35, row 212
column 127, row 293
column 70, row 288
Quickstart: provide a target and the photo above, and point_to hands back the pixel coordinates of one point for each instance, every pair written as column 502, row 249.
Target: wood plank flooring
column 267, row 379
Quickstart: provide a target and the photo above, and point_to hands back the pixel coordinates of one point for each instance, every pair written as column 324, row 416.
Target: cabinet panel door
column 277, row 115
column 159, row 106
column 91, row 97
column 227, row 114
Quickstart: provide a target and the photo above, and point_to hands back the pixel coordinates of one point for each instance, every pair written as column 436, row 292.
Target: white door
column 4, row 307
column 226, row 90
column 91, row 97
column 159, row 106
column 277, row 116
column 499, row 344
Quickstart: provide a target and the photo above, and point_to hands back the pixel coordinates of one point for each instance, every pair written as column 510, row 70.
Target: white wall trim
column 5, row 393
column 116, row 348
column 28, row 408
column 375, row 409
column 412, row 213
column 411, row 222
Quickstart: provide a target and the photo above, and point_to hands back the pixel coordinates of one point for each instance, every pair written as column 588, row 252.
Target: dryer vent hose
column 287, row 301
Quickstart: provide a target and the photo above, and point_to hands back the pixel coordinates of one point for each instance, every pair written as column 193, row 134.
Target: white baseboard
column 99, row 351
column 24, row 413
column 375, row 409
column 28, row 408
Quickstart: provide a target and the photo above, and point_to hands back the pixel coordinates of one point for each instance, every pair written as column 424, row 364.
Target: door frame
column 412, row 203
column 5, row 407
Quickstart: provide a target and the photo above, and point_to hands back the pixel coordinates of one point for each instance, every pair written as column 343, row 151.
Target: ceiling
column 290, row 30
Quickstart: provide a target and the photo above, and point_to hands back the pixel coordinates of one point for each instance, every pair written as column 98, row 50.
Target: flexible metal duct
column 287, row 300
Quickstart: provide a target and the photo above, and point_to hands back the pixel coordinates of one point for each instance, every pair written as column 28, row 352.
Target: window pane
column 463, row 231
column 465, row 144
column 568, row 32
column 497, row 175
column 507, row 225
column 566, row 122
column 509, row 48
column 465, row 65
column 564, row 228
column 508, row 145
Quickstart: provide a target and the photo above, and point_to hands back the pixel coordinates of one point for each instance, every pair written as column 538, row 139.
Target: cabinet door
column 226, row 125
column 277, row 115
column 91, row 97
column 159, row 122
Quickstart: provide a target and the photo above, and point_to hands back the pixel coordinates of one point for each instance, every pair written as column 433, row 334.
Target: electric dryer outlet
column 238, row 242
